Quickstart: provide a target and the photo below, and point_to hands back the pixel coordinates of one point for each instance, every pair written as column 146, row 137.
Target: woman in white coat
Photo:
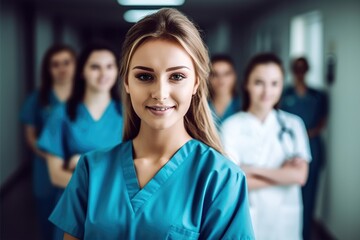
column 272, row 148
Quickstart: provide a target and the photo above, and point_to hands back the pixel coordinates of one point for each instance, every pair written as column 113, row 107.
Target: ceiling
column 110, row 13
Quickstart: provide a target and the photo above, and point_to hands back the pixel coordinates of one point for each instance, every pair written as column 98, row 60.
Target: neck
column 222, row 98
column 300, row 85
column 159, row 144
column 259, row 113
column 62, row 90
column 96, row 98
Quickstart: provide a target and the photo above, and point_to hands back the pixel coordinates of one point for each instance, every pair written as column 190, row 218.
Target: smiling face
column 100, row 71
column 161, row 82
column 223, row 78
column 265, row 86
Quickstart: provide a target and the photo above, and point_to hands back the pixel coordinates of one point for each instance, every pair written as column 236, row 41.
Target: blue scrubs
column 64, row 138
column 198, row 193
column 312, row 108
column 35, row 115
column 232, row 108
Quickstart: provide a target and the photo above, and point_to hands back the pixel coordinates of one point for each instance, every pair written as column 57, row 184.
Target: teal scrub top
column 232, row 108
column 35, row 115
column 197, row 194
column 312, row 108
column 64, row 138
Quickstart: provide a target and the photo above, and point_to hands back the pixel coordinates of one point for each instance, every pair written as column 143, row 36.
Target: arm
column 58, row 175
column 69, row 237
column 292, row 172
column 73, row 162
column 30, row 137
column 69, row 213
column 255, row 182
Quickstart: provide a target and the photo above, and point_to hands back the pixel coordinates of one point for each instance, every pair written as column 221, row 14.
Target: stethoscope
column 285, row 130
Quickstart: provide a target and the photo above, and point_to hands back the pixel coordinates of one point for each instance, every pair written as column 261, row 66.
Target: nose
column 160, row 90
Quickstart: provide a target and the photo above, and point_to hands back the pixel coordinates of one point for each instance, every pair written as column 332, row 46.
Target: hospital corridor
column 180, row 119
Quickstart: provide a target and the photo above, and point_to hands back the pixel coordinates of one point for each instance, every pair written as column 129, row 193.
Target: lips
column 161, row 109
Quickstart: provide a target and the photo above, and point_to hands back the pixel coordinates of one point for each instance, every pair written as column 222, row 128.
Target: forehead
column 222, row 65
column 61, row 55
column 161, row 53
column 100, row 55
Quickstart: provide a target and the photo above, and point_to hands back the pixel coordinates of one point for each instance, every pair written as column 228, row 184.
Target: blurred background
column 327, row 32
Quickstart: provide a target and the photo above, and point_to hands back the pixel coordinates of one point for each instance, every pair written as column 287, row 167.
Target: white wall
column 339, row 209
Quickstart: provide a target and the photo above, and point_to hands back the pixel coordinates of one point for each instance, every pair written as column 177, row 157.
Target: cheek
column 254, row 91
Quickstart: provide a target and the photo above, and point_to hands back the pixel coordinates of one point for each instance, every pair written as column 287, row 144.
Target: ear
column 126, row 85
column 196, row 85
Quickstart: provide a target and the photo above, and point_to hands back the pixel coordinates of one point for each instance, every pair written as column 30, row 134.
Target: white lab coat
column 276, row 211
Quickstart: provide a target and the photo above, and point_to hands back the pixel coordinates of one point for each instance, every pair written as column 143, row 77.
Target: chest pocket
column 176, row 233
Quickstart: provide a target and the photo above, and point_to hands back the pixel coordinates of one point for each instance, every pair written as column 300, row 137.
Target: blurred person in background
column 312, row 106
column 224, row 98
column 57, row 73
column 272, row 148
column 168, row 179
column 91, row 118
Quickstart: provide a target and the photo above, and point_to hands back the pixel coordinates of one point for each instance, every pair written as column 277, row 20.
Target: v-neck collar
column 87, row 112
column 268, row 122
column 138, row 197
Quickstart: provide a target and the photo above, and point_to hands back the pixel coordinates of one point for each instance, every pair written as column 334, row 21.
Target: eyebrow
column 167, row 70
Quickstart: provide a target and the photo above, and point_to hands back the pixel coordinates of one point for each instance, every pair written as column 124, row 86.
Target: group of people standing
column 165, row 143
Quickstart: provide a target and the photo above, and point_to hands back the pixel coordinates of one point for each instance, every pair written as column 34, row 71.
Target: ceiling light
column 133, row 16
column 151, row 2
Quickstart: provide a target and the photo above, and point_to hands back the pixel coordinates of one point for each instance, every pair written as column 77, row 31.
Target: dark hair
column 223, row 58
column 46, row 77
column 294, row 67
column 262, row 58
column 78, row 91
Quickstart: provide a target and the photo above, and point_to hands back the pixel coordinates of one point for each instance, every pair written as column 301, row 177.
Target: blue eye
column 144, row 77
column 177, row 77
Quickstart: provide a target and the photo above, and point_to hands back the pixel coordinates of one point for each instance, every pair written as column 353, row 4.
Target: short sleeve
column 228, row 216
column 70, row 212
column 302, row 146
column 51, row 139
column 29, row 110
column 229, row 143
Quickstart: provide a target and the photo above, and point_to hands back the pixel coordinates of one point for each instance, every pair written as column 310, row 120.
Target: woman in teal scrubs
column 91, row 119
column 224, row 98
column 312, row 106
column 57, row 72
column 168, row 179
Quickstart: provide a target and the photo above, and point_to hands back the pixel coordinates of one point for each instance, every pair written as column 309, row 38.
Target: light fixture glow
column 151, row 2
column 133, row 16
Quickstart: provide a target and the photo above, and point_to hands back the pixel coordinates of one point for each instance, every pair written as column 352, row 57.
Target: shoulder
column 234, row 125
column 33, row 98
column 107, row 155
column 212, row 162
column 290, row 119
column 288, row 90
column 235, row 119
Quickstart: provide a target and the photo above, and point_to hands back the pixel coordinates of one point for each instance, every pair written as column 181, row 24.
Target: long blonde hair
column 172, row 25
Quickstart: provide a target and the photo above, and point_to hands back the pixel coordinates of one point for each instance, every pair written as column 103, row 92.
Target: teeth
column 161, row 108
